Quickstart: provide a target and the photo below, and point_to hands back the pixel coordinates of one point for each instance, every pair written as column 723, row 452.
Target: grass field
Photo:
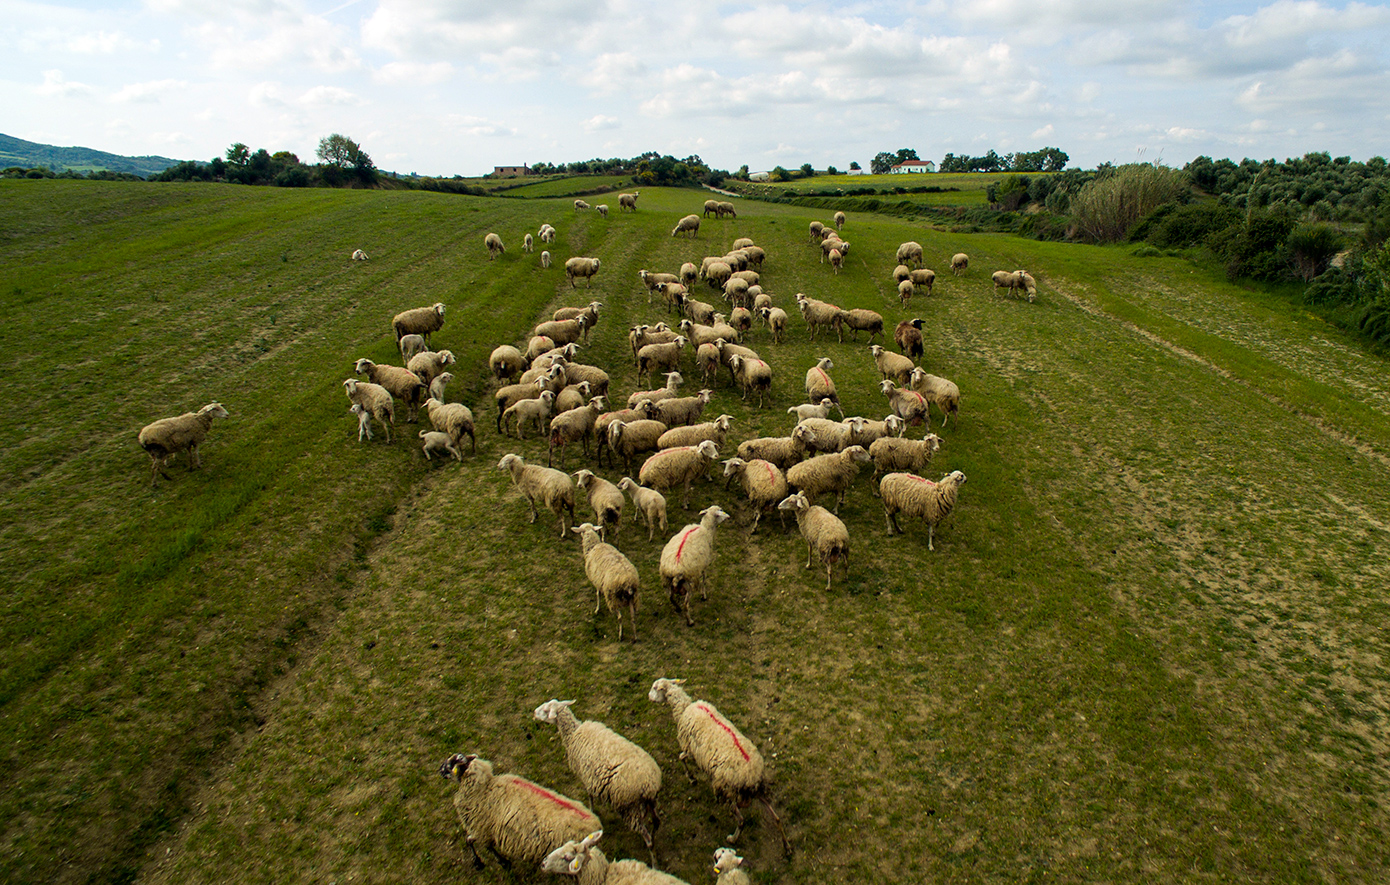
column 1149, row 645
column 956, row 188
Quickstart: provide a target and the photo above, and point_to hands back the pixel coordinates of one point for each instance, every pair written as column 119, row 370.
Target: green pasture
column 1148, row 647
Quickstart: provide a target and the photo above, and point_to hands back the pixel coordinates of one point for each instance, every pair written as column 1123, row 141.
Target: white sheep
column 837, row 260
column 863, row 432
column 375, row 399
column 892, row 365
column 602, row 209
column 364, row 421
column 762, row 481
column 528, row 244
column 959, row 262
column 944, row 394
column 728, row 868
column 839, row 220
column 439, row 443
column 669, row 468
column 689, row 274
column 589, row 311
column 905, row 291
column 537, row 345
column 736, row 768
column 912, row 495
column 563, row 332
column 545, row 258
column 605, row 501
column 1015, row 280
column 711, row 208
column 530, row 411
column 707, row 362
column 726, row 208
column 419, row 321
column 649, row 502
column 166, row 437
column 546, row 233
column 628, row 201
column 359, row 255
column 686, row 558
column 454, row 419
column 426, row 365
column 756, row 255
column 614, row 770
column 812, row 410
column 574, row 425
column 752, row 375
column 662, row 357
column 676, row 410
column 910, row 252
column 518, row 820
column 861, row 320
column 494, row 246
column 581, row 267
column 817, row 231
column 672, row 388
column 573, row 396
column 784, row 451
column 827, row 474
column 508, row 396
column 629, row 438
column 819, row 384
column 589, row 866
column 922, row 278
column 689, row 224
column 818, row 313
column 580, row 205
column 642, row 410
column 825, row 535
column 715, row 431
column 615, row 582
column 403, row 384
column 891, row 454
column 551, row 487
column 907, row 404
column 506, row 362
column 411, row 345
column 831, row 436
column 776, row 320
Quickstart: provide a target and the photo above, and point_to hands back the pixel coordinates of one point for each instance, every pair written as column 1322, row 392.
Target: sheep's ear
column 571, row 704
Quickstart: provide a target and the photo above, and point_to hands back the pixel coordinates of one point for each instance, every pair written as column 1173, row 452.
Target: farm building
column 909, row 166
column 510, row 171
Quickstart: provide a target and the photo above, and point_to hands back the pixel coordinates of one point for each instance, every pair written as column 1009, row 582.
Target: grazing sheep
column 546, row 233
column 628, row 201
column 166, row 437
column 944, row 394
column 736, row 769
column 742, row 242
column 727, row 868
column 784, row 451
column 653, row 280
column 736, row 291
column 776, row 320
column 580, row 205
column 419, row 321
column 574, row 425
column 364, row 421
column 1016, row 280
column 762, row 481
column 717, row 273
column 715, row 431
column 506, row 362
column 429, row 364
column 817, row 231
column 828, row 473
column 831, row 436
column 411, row 345
column 912, row 495
column 959, row 262
column 908, row 336
column 741, row 320
column 819, row 384
column 707, row 362
column 437, row 443
column 910, row 252
column 825, row 535
column 900, row 273
column 614, row 578
column 726, row 208
column 837, row 260
column 649, row 502
column 590, row 866
column 454, row 419
column 905, row 291
column 923, row 278
column 528, row 244
column 518, row 820
column 440, row 382
column 686, row 558
column 589, row 312
column 689, row 274
column 893, row 454
column 564, row 332
column 405, row 385
column 359, row 255
column 581, row 267
column 551, row 487
column 861, row 320
column 818, row 313
column 689, row 224
column 530, row 411
column 839, row 220
column 679, row 466
column 711, row 208
column 494, row 246
column 752, row 375
column 538, row 345
column 545, row 258
column 830, row 245
column 812, row 410
column 602, row 209
column 375, row 399
column 605, row 500
column 662, row 357
column 672, row 388
column 629, row 438
column 892, row 365
column 906, row 403
column 613, row 769
column 682, row 409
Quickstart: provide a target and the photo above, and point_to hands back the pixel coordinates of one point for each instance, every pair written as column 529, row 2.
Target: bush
column 1105, row 209
column 1311, row 247
column 1178, row 226
column 1257, row 248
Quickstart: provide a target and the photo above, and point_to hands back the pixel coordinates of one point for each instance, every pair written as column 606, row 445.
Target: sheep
column 736, row 769
column 572, row 396
column 375, row 399
column 715, row 431
column 605, row 500
column 816, row 230
column 860, row 320
column 574, row 424
column 839, row 220
column 545, row 258
column 641, row 335
column 905, row 291
column 437, row 443
column 741, row 319
column 164, row 438
column 546, row 233
column 900, row 273
column 506, row 362
column 689, row 224
column 682, row 409
column 923, row 278
column 812, row 410
column 756, row 255
column 726, row 208
column 644, row 410
column 590, row 866
column 1018, row 279
column 959, row 262
column 673, row 384
column 742, row 242
column 528, row 244
column 359, row 255
column 824, row 533
column 403, row 384
column 429, row 364
column 727, row 868
column 908, row 337
column 698, row 311
column 419, row 321
column 455, row 419
column 819, row 313
column 596, row 377
column 628, row 201
column 652, row 280
column 907, row 404
column 494, row 246
column 613, row 769
column 832, row 244
column 819, row 384
column 551, row 487
column 828, row 473
column 530, row 411
column 669, row 468
column 588, row 311
column 784, row 451
column 689, row 274
column 628, row 438
column 892, row 365
column 364, row 421
column 1029, row 285
column 649, row 502
column 508, row 396
column 830, row 436
column 736, row 291
column 762, row 481
column 440, row 382
column 752, row 375
column 411, row 345
column 673, row 295
column 700, row 333
column 937, row 390
column 837, row 260
column 776, row 320
column 659, row 356
column 537, row 345
column 912, row 495
column 581, row 267
column 707, row 362
column 686, row 557
column 863, row 432
column 894, row 454
column 564, row 331
column 602, row 209
column 910, row 252
column 717, row 273
column 518, row 820
column 615, row 582
column 580, row 205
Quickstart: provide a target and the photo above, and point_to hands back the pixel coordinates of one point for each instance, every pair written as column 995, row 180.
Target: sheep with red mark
column 686, row 558
column 911, row 495
column 824, row 533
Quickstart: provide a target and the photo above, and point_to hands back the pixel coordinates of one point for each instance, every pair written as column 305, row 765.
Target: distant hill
column 18, row 152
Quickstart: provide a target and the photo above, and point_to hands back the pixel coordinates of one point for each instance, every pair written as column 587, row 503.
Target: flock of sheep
column 542, row 385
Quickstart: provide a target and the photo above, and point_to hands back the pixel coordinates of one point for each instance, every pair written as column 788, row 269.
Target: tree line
column 342, row 163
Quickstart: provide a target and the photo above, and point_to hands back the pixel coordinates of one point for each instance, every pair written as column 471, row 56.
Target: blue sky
column 443, row 87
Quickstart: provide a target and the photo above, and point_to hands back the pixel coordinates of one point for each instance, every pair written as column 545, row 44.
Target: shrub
column 1311, row 247
column 1106, row 208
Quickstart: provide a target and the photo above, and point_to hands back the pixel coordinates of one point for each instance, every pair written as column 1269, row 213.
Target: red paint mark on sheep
column 558, row 800
column 733, row 735
column 685, row 537
column 823, row 375
column 771, row 474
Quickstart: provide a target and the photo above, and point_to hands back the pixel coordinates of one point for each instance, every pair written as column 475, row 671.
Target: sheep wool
column 605, row 500
column 860, row 320
column 419, row 321
column 894, row 454
column 551, row 487
column 784, row 451
column 944, row 394
column 454, row 419
column 438, row 443
column 959, row 262
column 819, row 384
column 167, row 437
column 686, row 558
column 762, row 481
column 649, row 502
column 910, row 253
column 892, row 365
column 403, row 384
column 581, row 267
column 912, row 495
column 828, row 473
column 589, row 866
column 679, row 466
column 728, row 867
column 494, row 246
column 375, row 399
column 613, row 575
column 825, row 535
column 689, row 224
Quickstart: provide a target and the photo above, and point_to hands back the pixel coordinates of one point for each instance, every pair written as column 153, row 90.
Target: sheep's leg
column 685, row 761
column 632, row 614
column 930, row 532
column 195, row 461
column 531, row 502
column 809, row 548
column 477, row 858
column 888, row 521
column 738, row 823
column 685, row 499
column 786, row 843
column 598, row 600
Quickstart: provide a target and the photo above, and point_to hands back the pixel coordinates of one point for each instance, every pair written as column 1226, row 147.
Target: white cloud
column 152, row 91
column 328, row 96
column 600, row 122
column 401, row 73
column 54, row 84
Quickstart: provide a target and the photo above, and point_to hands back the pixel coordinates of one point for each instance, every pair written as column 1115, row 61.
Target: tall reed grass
column 1105, row 209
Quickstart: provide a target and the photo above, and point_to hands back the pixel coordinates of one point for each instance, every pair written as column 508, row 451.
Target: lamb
column 564, row 331
column 440, row 382
column 454, row 419
column 762, row 481
column 364, row 421
column 908, row 336
column 411, row 345
column 784, row 451
column 664, row 357
column 893, row 454
column 546, row 233
column 689, row 224
column 605, row 500
column 494, row 246
column 628, row 201
column 905, row 291
column 404, row 384
column 819, row 384
column 752, row 375
column 166, row 437
column 686, row 557
column 673, row 385
column 426, row 366
column 959, row 262
column 628, row 438
column 735, row 766
column 860, row 320
column 506, row 362
column 508, row 396
column 669, row 468
column 892, row 365
column 839, row 220
column 359, row 255
column 912, row 495
column 776, row 320
column 944, row 394
column 711, row 208
column 825, row 535
column 602, row 209
column 715, row 431
column 580, row 205
column 528, row 244
column 649, row 502
column 545, row 258
column 574, row 425
column 518, row 820
column 375, row 399
column 530, row 411
column 1018, row 279
column 437, row 443
column 581, row 267
column 819, row 313
column 812, row 410
column 727, row 868
column 590, row 866
column 551, row 487
column 615, row 582
column 907, row 404
column 923, row 278
column 828, row 473
column 910, row 252
column 419, row 321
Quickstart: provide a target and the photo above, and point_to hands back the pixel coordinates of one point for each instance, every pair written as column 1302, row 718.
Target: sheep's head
column 215, row 410
column 662, row 687
column 725, row 860
column 955, row 476
column 569, row 859
column 856, row 453
column 583, row 478
column 714, row 514
column 794, row 502
column 708, row 449
column 733, row 465
column 363, row 366
column 456, row 766
column 887, row 387
column 509, row 462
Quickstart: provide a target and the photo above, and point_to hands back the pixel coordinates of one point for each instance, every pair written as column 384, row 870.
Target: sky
column 455, row 87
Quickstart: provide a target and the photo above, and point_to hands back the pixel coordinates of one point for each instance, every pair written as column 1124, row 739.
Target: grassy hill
column 18, row 152
column 1149, row 645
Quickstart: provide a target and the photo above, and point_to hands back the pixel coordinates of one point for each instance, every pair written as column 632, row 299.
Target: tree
column 238, row 154
column 882, row 162
column 831, row 170
column 905, row 154
column 338, row 150
column 854, row 166
column 807, row 170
